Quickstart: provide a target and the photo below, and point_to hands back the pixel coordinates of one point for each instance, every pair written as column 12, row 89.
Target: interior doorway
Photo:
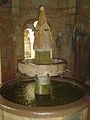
column 29, row 36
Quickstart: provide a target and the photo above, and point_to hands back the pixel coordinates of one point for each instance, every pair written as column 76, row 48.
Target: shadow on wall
column 81, row 47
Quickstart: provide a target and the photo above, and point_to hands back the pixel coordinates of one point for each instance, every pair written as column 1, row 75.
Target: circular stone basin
column 29, row 67
column 17, row 97
column 22, row 92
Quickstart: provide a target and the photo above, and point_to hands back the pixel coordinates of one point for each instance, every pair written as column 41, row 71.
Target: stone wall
column 82, row 53
column 6, row 44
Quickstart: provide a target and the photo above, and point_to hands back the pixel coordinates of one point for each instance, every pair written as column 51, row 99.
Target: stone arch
column 28, row 42
column 27, row 23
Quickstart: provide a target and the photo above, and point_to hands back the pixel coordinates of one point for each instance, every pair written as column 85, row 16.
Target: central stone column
column 43, row 40
column 43, row 52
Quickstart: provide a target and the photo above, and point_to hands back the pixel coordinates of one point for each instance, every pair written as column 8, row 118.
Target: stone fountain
column 46, row 94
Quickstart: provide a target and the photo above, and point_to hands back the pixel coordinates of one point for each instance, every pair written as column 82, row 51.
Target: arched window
column 29, row 52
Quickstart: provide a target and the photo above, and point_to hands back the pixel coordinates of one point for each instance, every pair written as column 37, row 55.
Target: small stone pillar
column 43, row 40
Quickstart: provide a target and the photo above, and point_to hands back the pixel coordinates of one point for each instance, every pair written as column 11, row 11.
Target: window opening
column 29, row 52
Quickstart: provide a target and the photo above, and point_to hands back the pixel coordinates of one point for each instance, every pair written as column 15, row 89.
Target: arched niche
column 28, row 37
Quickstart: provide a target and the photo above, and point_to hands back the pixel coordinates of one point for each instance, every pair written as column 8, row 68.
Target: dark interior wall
column 6, row 45
column 55, row 4
column 82, row 47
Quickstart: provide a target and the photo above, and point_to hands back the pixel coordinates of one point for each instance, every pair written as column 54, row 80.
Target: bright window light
column 29, row 52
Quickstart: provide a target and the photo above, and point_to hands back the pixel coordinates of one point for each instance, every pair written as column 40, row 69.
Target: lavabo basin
column 68, row 100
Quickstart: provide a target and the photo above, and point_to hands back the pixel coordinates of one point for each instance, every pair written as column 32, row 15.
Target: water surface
column 22, row 92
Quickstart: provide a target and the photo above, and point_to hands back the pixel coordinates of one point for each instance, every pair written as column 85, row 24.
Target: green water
column 22, row 92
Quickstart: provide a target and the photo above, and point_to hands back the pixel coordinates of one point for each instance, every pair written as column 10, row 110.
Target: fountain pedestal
column 29, row 67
